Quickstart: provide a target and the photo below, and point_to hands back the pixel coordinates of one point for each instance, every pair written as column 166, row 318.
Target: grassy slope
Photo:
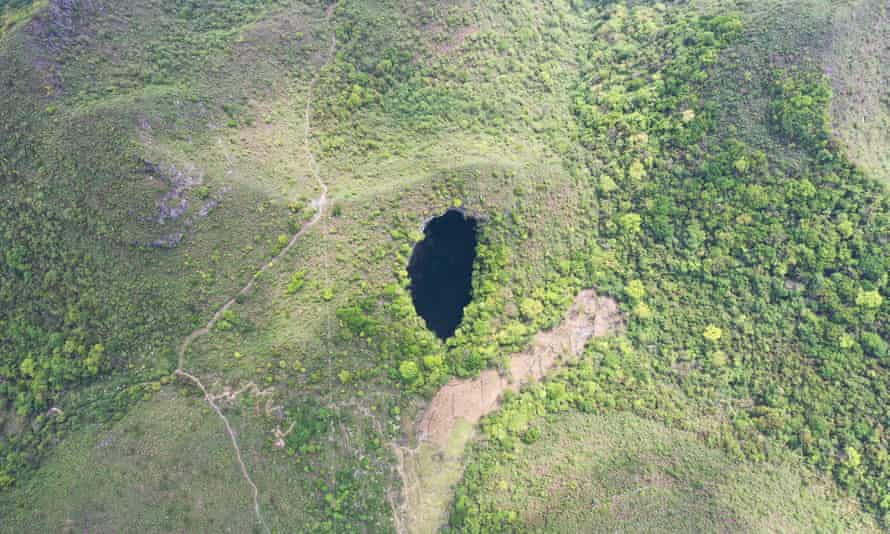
column 492, row 127
column 280, row 340
column 619, row 472
column 858, row 63
column 846, row 42
column 152, row 84
column 180, row 485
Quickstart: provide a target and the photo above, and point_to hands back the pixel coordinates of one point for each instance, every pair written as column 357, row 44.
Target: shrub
column 874, row 345
column 712, row 333
column 409, row 371
column 530, row 309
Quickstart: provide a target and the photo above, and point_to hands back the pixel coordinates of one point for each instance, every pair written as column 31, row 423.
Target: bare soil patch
column 430, row 471
column 471, row 399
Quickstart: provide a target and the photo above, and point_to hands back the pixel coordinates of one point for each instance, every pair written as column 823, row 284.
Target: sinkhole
column 441, row 271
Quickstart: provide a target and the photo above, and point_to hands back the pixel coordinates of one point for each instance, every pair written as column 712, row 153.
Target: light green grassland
column 618, row 472
column 162, row 468
column 858, row 64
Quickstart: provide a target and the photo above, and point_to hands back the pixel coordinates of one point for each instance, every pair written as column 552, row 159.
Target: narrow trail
column 320, row 204
column 409, row 486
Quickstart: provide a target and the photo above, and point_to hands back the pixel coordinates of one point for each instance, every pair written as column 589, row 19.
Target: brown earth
column 471, row 399
column 430, row 471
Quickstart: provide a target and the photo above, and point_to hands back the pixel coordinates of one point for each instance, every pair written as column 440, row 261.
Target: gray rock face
column 172, row 206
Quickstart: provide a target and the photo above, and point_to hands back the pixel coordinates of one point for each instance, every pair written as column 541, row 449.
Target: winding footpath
column 320, row 204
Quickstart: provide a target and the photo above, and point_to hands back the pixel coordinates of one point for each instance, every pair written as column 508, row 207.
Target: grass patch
column 619, row 472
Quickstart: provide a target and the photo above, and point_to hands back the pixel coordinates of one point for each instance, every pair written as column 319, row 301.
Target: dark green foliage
column 349, row 493
column 310, row 421
column 800, row 109
column 763, row 273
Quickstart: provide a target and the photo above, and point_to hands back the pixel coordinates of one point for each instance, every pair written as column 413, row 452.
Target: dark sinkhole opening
column 441, row 271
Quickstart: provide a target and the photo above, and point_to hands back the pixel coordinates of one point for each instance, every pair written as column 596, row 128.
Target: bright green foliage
column 344, row 376
column 281, row 242
column 433, row 362
column 46, row 349
column 297, row 280
column 636, row 172
column 772, row 248
column 607, row 184
column 409, row 371
column 530, row 308
column 619, row 160
column 800, row 109
column 712, row 333
column 642, row 311
column 635, row 290
column 630, row 223
column 95, row 358
column 13, row 12
column 869, row 299
column 875, row 346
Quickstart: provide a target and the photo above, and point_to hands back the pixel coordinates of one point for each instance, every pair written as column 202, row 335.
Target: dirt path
column 320, row 204
column 429, row 472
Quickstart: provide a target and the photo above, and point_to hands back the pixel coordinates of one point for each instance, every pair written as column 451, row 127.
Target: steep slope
column 619, row 472
column 140, row 189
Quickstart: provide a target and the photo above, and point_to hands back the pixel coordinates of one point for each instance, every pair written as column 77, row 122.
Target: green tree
column 530, row 309
column 635, row 289
column 409, row 371
column 869, row 299
column 630, row 223
column 712, row 333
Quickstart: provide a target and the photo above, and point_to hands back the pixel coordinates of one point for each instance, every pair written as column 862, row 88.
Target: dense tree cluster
column 49, row 312
column 72, row 306
column 747, row 275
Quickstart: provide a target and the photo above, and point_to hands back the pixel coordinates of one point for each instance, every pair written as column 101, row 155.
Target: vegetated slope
column 750, row 247
column 604, row 146
column 430, row 469
column 857, row 61
column 618, row 472
column 207, row 105
column 117, row 146
column 335, row 385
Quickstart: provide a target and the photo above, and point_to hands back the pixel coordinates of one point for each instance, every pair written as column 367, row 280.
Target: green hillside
column 208, row 208
column 617, row 472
